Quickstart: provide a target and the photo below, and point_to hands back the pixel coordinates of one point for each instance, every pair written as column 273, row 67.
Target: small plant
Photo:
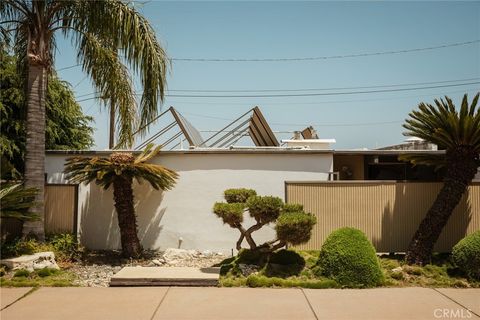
column 348, row 257
column 293, row 225
column 21, row 273
column 63, row 245
column 45, row 272
column 466, row 255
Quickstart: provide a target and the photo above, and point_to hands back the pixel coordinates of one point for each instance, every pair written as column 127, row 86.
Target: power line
column 332, row 88
column 267, row 104
column 356, row 55
column 311, row 94
column 310, row 89
column 320, row 94
column 300, row 124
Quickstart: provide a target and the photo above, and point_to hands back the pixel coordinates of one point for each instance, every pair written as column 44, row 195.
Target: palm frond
column 119, row 25
column 16, row 201
column 104, row 170
column 444, row 125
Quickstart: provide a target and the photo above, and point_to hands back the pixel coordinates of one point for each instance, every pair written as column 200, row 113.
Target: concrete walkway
column 239, row 303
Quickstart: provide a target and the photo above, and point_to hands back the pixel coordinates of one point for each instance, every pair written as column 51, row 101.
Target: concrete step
column 166, row 276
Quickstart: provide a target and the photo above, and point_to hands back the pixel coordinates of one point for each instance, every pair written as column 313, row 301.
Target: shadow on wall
column 99, row 223
column 401, row 219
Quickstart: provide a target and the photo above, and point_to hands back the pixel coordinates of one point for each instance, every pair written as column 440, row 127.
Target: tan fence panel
column 60, row 208
column 388, row 212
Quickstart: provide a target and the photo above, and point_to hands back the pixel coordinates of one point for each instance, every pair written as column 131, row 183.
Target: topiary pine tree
column 293, row 225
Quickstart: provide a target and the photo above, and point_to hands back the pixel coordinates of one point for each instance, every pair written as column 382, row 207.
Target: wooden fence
column 61, row 208
column 388, row 212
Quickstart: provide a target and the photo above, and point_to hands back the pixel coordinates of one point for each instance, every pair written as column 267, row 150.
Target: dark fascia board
column 386, row 152
column 191, row 151
column 253, row 151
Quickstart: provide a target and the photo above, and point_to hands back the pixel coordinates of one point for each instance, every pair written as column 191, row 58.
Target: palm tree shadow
column 99, row 224
column 401, row 219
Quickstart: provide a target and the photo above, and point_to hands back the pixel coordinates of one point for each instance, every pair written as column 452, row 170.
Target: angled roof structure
column 252, row 123
column 186, row 131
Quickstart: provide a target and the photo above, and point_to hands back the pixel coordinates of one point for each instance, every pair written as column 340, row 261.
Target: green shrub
column 238, row 195
column 284, row 263
column 295, row 227
column 45, row 272
column 64, row 246
column 348, row 257
column 466, row 255
column 292, row 207
column 21, row 273
column 264, row 209
column 230, row 213
column 257, row 281
column 256, row 257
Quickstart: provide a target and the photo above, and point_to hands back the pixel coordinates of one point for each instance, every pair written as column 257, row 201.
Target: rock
column 248, row 269
column 397, row 269
column 158, row 262
column 177, row 254
column 32, row 262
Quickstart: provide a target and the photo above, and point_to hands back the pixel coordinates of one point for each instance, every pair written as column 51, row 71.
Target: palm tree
column 119, row 170
column 105, row 33
column 458, row 133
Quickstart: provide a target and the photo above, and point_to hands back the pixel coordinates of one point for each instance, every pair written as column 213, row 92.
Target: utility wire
column 356, row 55
column 300, row 124
column 332, row 88
column 320, row 94
column 310, row 89
column 312, row 94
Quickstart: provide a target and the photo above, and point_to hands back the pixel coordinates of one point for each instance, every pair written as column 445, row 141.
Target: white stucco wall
column 185, row 211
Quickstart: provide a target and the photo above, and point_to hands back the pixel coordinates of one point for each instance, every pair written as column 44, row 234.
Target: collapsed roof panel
column 261, row 133
column 192, row 135
column 252, row 123
column 186, row 132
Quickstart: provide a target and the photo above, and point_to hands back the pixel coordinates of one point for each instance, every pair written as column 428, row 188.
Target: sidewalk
column 238, row 303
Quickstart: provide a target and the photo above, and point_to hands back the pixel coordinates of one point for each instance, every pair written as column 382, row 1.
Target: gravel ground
column 97, row 268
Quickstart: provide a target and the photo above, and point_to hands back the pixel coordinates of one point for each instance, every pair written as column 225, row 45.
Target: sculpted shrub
column 293, row 225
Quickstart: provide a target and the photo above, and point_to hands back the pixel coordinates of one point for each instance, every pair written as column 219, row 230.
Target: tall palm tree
column 119, row 170
column 105, row 34
column 458, row 133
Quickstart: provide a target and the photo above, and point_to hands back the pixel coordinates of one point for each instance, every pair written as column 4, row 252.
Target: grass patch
column 40, row 278
column 440, row 273
column 285, row 273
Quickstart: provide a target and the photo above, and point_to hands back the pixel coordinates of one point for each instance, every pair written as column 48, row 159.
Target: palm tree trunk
column 460, row 173
column 127, row 222
column 35, row 145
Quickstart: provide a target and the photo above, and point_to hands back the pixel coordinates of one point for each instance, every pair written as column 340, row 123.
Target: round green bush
column 230, row 213
column 264, row 209
column 295, row 227
column 238, row 195
column 466, row 255
column 348, row 257
column 21, row 273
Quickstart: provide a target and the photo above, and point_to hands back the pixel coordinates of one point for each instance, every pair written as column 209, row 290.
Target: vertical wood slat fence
column 388, row 212
column 61, row 208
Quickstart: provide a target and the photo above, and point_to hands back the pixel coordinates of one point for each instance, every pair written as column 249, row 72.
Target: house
column 182, row 217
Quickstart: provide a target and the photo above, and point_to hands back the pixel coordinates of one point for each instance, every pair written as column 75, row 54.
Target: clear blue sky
column 306, row 29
